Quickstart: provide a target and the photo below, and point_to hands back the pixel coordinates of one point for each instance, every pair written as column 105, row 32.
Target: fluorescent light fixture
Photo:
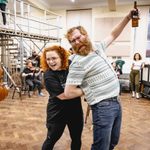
column 72, row 1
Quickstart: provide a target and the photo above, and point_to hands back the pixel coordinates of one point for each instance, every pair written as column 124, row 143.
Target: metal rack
column 24, row 33
column 26, row 27
column 145, row 81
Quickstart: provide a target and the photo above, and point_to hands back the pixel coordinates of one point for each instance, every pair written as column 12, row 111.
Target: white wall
column 135, row 45
column 141, row 32
column 138, row 44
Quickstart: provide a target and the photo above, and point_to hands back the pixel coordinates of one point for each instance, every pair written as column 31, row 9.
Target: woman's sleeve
column 52, row 84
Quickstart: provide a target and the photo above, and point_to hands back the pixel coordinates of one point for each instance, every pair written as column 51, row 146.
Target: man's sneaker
column 41, row 94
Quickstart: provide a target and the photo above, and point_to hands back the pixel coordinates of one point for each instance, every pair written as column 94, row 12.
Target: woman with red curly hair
column 54, row 61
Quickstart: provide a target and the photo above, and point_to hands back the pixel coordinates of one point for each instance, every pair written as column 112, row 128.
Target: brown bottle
column 135, row 16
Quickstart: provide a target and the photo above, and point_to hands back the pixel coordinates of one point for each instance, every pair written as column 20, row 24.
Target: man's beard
column 84, row 48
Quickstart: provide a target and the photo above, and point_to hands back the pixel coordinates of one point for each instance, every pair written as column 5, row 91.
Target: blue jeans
column 107, row 116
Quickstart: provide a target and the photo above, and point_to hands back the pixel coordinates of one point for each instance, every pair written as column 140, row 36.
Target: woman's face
column 137, row 57
column 53, row 60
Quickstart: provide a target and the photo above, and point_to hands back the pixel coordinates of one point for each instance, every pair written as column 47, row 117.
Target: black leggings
column 56, row 130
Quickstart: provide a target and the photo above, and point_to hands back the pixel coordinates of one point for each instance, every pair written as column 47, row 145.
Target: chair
column 20, row 85
column 25, row 86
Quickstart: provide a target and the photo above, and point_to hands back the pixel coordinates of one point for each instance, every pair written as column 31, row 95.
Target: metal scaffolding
column 23, row 29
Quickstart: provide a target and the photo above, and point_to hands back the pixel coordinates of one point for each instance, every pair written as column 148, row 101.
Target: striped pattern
column 95, row 75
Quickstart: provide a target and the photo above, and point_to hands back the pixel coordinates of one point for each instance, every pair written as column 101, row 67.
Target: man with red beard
column 92, row 72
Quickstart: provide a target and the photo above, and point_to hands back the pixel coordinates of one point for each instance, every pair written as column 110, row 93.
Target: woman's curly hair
column 63, row 54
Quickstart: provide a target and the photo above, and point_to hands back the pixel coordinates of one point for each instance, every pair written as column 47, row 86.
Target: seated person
column 118, row 72
column 35, row 59
column 117, row 68
column 31, row 77
column 120, row 63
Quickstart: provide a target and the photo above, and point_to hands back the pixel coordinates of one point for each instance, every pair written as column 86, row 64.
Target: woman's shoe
column 133, row 94
column 137, row 96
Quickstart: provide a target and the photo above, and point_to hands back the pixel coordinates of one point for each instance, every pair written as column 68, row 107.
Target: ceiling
column 79, row 4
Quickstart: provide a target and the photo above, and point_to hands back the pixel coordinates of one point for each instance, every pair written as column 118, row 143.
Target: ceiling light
column 72, row 1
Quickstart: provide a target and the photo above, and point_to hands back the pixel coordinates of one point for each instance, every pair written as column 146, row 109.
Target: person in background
column 35, row 59
column 120, row 64
column 118, row 72
column 60, row 114
column 3, row 4
column 137, row 64
column 93, row 73
column 116, row 68
column 31, row 77
column 71, row 51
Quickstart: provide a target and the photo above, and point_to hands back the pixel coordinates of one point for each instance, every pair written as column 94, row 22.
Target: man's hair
column 63, row 54
column 80, row 28
column 28, row 61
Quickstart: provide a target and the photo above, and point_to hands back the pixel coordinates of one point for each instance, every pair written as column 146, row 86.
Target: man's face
column 34, row 53
column 79, row 42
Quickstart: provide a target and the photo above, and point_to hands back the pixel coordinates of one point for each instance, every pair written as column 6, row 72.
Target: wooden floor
column 22, row 125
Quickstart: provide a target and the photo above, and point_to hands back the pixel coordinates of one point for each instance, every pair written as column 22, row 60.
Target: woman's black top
column 60, row 110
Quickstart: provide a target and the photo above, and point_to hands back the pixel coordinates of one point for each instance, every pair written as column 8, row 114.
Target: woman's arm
column 132, row 66
column 143, row 64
